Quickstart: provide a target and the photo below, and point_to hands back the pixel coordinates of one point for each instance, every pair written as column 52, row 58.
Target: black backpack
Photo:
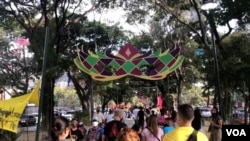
column 193, row 136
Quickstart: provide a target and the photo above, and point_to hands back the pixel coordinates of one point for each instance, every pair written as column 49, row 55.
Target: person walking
column 215, row 125
column 109, row 116
column 112, row 128
column 76, row 134
column 161, row 118
column 152, row 132
column 61, row 129
column 127, row 134
column 173, row 115
column 196, row 123
column 100, row 116
column 141, row 117
column 184, row 130
column 95, row 133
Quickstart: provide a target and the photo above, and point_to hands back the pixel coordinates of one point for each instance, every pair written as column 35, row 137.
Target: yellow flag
column 34, row 98
column 12, row 109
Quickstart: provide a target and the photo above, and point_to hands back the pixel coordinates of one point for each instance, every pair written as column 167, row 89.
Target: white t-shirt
column 109, row 117
column 100, row 117
column 135, row 112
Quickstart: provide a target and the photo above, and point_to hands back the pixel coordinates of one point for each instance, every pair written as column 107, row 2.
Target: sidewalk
column 31, row 136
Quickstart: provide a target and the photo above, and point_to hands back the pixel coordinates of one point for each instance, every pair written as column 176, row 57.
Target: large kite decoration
column 12, row 109
column 128, row 62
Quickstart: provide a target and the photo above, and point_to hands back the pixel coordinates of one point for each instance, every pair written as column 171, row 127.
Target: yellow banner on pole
column 12, row 109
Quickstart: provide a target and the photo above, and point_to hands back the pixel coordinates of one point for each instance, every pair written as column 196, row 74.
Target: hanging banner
column 159, row 101
column 11, row 110
column 128, row 61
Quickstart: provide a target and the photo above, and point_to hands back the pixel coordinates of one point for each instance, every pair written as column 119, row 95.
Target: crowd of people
column 149, row 125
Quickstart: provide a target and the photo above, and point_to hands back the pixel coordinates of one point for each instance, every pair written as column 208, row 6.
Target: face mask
column 95, row 123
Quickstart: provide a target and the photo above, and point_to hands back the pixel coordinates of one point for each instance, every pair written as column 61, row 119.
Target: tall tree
column 236, row 68
column 64, row 19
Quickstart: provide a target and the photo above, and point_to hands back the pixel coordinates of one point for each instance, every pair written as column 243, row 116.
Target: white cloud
column 224, row 29
column 117, row 17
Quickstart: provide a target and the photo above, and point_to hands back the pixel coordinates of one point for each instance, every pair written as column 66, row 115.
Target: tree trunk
column 179, row 87
column 247, row 104
column 208, row 97
column 83, row 97
column 91, row 87
column 227, row 105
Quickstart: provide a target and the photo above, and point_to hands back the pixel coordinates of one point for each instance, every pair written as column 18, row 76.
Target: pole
column 45, row 58
column 168, row 95
column 117, row 84
column 91, row 98
column 216, row 66
column 117, row 96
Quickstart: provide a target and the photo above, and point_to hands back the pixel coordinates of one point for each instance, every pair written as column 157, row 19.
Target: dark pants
column 141, row 123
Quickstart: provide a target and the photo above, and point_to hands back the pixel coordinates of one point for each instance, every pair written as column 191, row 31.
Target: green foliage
column 235, row 65
column 66, row 97
column 171, row 26
column 142, row 42
column 234, row 9
column 83, row 116
column 137, row 15
column 236, row 61
column 194, row 96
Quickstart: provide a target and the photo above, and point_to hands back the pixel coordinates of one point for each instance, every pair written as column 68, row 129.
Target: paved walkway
column 31, row 136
